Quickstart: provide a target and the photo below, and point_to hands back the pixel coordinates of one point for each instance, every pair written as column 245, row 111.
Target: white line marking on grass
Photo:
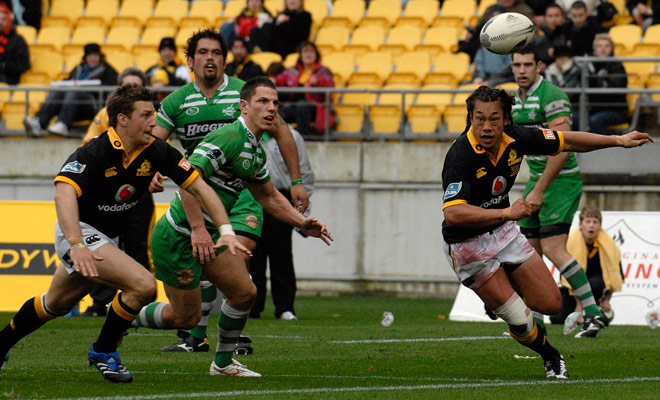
column 170, row 333
column 369, row 389
column 449, row 339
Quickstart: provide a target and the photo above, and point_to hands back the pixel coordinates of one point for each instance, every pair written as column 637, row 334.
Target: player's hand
column 535, row 199
column 232, row 245
column 634, row 139
column 316, row 228
column 83, row 261
column 202, row 245
column 521, row 208
column 156, row 183
column 300, row 198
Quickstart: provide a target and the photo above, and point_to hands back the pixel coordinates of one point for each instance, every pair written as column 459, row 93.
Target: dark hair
column 529, row 49
column 563, row 51
column 123, row 99
column 579, row 4
column 275, row 68
column 191, row 44
column 243, row 41
column 286, row 8
column 304, row 44
column 486, row 94
column 251, row 86
column 132, row 71
column 554, row 5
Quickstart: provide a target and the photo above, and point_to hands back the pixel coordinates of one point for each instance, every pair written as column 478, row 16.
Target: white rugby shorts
column 476, row 259
column 91, row 237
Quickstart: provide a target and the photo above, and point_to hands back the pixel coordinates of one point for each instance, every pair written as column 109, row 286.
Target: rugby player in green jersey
column 554, row 188
column 190, row 113
column 230, row 159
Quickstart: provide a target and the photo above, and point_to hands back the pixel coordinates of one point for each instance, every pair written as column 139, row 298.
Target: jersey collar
column 251, row 136
column 505, row 141
column 225, row 82
column 117, row 144
column 531, row 90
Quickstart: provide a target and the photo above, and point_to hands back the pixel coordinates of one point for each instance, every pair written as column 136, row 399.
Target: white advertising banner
column 638, row 236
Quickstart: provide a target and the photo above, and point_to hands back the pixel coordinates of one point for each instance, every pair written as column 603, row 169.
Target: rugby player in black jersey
column 97, row 186
column 481, row 240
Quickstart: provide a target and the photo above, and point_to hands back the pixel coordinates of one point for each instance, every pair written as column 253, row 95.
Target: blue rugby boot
column 110, row 365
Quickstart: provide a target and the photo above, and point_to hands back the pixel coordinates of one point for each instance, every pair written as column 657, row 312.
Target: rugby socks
column 577, row 278
column 538, row 317
column 116, row 323
column 536, row 340
column 230, row 325
column 151, row 316
column 209, row 294
column 31, row 316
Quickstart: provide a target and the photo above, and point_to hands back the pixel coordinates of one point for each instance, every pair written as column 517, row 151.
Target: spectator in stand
column 242, row 67
column 255, row 15
column 273, row 70
column 582, row 29
column 644, row 12
column 606, row 109
column 552, row 33
column 303, row 108
column 491, row 69
column 290, row 28
column 170, row 70
column 565, row 73
column 70, row 106
column 14, row 52
column 518, row 6
column 591, row 5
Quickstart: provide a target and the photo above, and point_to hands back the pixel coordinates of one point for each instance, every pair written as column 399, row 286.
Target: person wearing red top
column 254, row 15
column 303, row 108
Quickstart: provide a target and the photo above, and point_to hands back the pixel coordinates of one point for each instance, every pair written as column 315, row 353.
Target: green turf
column 305, row 359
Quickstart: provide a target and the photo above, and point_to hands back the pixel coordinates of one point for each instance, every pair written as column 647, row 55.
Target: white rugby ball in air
column 506, row 33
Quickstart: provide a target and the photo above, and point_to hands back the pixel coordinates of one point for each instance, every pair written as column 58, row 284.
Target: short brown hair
column 122, row 101
column 591, row 212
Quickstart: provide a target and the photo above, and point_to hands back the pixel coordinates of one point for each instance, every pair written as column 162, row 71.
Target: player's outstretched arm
column 214, row 207
column 279, row 207
column 66, row 206
column 585, row 141
column 469, row 216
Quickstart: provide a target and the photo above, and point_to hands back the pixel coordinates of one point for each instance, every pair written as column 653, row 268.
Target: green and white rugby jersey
column 544, row 102
column 190, row 115
column 231, row 158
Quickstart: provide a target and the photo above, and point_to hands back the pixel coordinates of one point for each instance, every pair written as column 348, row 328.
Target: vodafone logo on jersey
column 499, row 185
column 124, row 193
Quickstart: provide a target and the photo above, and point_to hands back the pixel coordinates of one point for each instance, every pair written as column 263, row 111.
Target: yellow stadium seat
column 350, row 117
column 125, row 36
column 265, row 58
column 457, row 64
column 207, row 9
column 233, row 8
column 88, row 34
column 459, row 8
column 369, row 36
column 459, row 98
column 342, row 66
column 146, row 60
column 455, row 117
column 195, row 22
column 121, row 61
column 71, row 9
column 385, row 119
column 444, row 78
column 137, row 9
column 483, row 5
column 50, row 63
column 274, row 6
column 291, row 60
column 332, row 37
column 153, row 36
column 364, row 98
column 346, row 12
column 416, row 62
column 57, row 36
column 382, row 12
column 32, row 77
column 28, row 32
column 645, row 50
column 318, row 9
column 37, row 97
column 510, row 87
column 402, row 38
column 128, row 21
column 396, row 98
column 626, row 35
column 439, row 100
column 424, row 118
column 140, row 49
column 104, row 9
column 4, row 94
column 175, row 9
column 71, row 61
column 642, row 68
column 420, row 10
column 183, row 35
column 652, row 34
column 439, row 39
column 56, row 21
column 13, row 114
column 90, row 21
column 41, row 50
column 379, row 63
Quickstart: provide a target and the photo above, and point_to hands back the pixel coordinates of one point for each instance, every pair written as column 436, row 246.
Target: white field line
column 447, row 339
column 369, row 389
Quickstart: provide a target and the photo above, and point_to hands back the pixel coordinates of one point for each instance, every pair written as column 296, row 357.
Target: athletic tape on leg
column 516, row 313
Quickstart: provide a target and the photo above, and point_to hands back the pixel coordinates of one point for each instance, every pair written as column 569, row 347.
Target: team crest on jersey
column 499, row 185
column 74, row 167
column 513, row 158
column 124, row 193
column 214, row 154
column 229, row 111
column 548, row 133
column 192, row 111
column 453, row 189
column 531, row 114
column 145, row 169
column 185, row 276
column 112, row 171
column 252, row 221
column 246, row 164
column 185, row 164
column 481, row 172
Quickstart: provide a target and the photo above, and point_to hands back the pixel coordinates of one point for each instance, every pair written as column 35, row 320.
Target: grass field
column 339, row 350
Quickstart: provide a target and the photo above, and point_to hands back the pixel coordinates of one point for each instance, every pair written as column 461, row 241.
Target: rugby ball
column 506, row 33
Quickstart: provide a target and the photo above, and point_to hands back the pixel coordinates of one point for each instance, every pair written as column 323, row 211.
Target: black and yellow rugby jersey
column 471, row 176
column 109, row 184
